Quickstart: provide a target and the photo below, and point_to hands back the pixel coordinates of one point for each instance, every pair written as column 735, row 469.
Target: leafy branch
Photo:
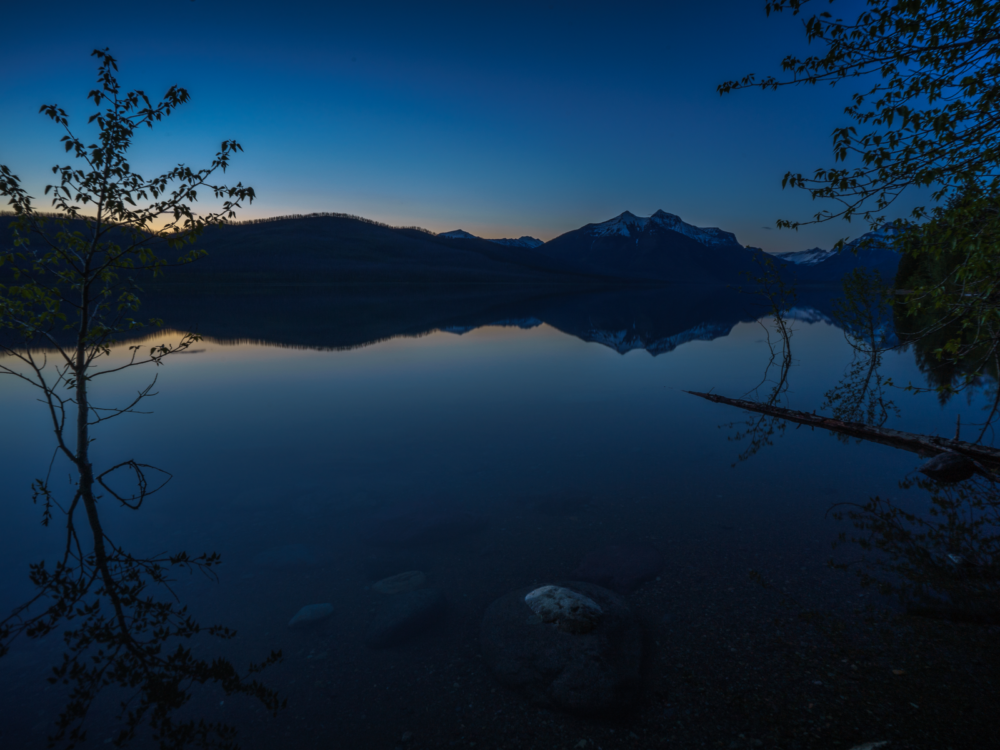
column 69, row 293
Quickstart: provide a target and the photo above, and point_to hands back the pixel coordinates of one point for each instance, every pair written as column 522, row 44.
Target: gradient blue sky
column 500, row 118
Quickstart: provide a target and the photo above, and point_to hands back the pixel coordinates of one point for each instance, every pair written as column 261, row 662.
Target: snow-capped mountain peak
column 705, row 235
column 627, row 224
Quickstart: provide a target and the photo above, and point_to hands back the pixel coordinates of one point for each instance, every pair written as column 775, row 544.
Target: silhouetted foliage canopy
column 925, row 107
column 923, row 115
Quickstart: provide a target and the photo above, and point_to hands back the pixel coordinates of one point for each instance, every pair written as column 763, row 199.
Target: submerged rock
column 404, row 616
column 948, row 467
column 596, row 672
column 619, row 567
column 567, row 609
column 310, row 615
column 288, row 556
column 412, row 579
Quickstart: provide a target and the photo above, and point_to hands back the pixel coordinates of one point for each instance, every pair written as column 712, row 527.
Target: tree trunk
column 924, row 445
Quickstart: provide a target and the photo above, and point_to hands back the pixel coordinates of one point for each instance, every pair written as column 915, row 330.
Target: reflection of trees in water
column 864, row 314
column 972, row 371
column 121, row 623
column 943, row 562
column 778, row 298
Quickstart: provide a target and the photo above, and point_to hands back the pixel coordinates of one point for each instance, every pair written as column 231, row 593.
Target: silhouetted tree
column 929, row 116
column 924, row 115
column 951, row 273
column 69, row 292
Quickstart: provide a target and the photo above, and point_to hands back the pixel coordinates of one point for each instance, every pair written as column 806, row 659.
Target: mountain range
column 461, row 234
column 661, row 248
column 872, row 251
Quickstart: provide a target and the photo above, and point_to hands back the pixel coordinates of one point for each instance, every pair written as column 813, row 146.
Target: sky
column 503, row 119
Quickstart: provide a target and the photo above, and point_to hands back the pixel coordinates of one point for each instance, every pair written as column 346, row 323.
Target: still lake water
column 559, row 423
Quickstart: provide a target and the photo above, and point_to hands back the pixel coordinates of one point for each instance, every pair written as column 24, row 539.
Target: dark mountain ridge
column 325, row 248
column 657, row 248
column 348, row 250
column 341, row 249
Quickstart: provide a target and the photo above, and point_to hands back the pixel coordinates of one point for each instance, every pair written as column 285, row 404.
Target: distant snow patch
column 806, row 257
column 877, row 240
column 528, row 242
column 525, row 241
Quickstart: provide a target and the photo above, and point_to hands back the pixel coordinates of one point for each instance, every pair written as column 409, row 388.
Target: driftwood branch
column 924, row 445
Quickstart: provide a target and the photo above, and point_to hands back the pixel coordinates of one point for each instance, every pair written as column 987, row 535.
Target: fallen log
column 924, row 445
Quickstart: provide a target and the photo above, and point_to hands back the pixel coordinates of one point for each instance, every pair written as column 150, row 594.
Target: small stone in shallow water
column 408, row 581
column 310, row 615
column 569, row 610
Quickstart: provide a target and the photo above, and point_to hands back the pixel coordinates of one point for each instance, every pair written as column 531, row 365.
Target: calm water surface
column 560, row 437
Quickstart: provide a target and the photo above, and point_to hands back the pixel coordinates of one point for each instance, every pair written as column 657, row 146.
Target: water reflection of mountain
column 656, row 319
